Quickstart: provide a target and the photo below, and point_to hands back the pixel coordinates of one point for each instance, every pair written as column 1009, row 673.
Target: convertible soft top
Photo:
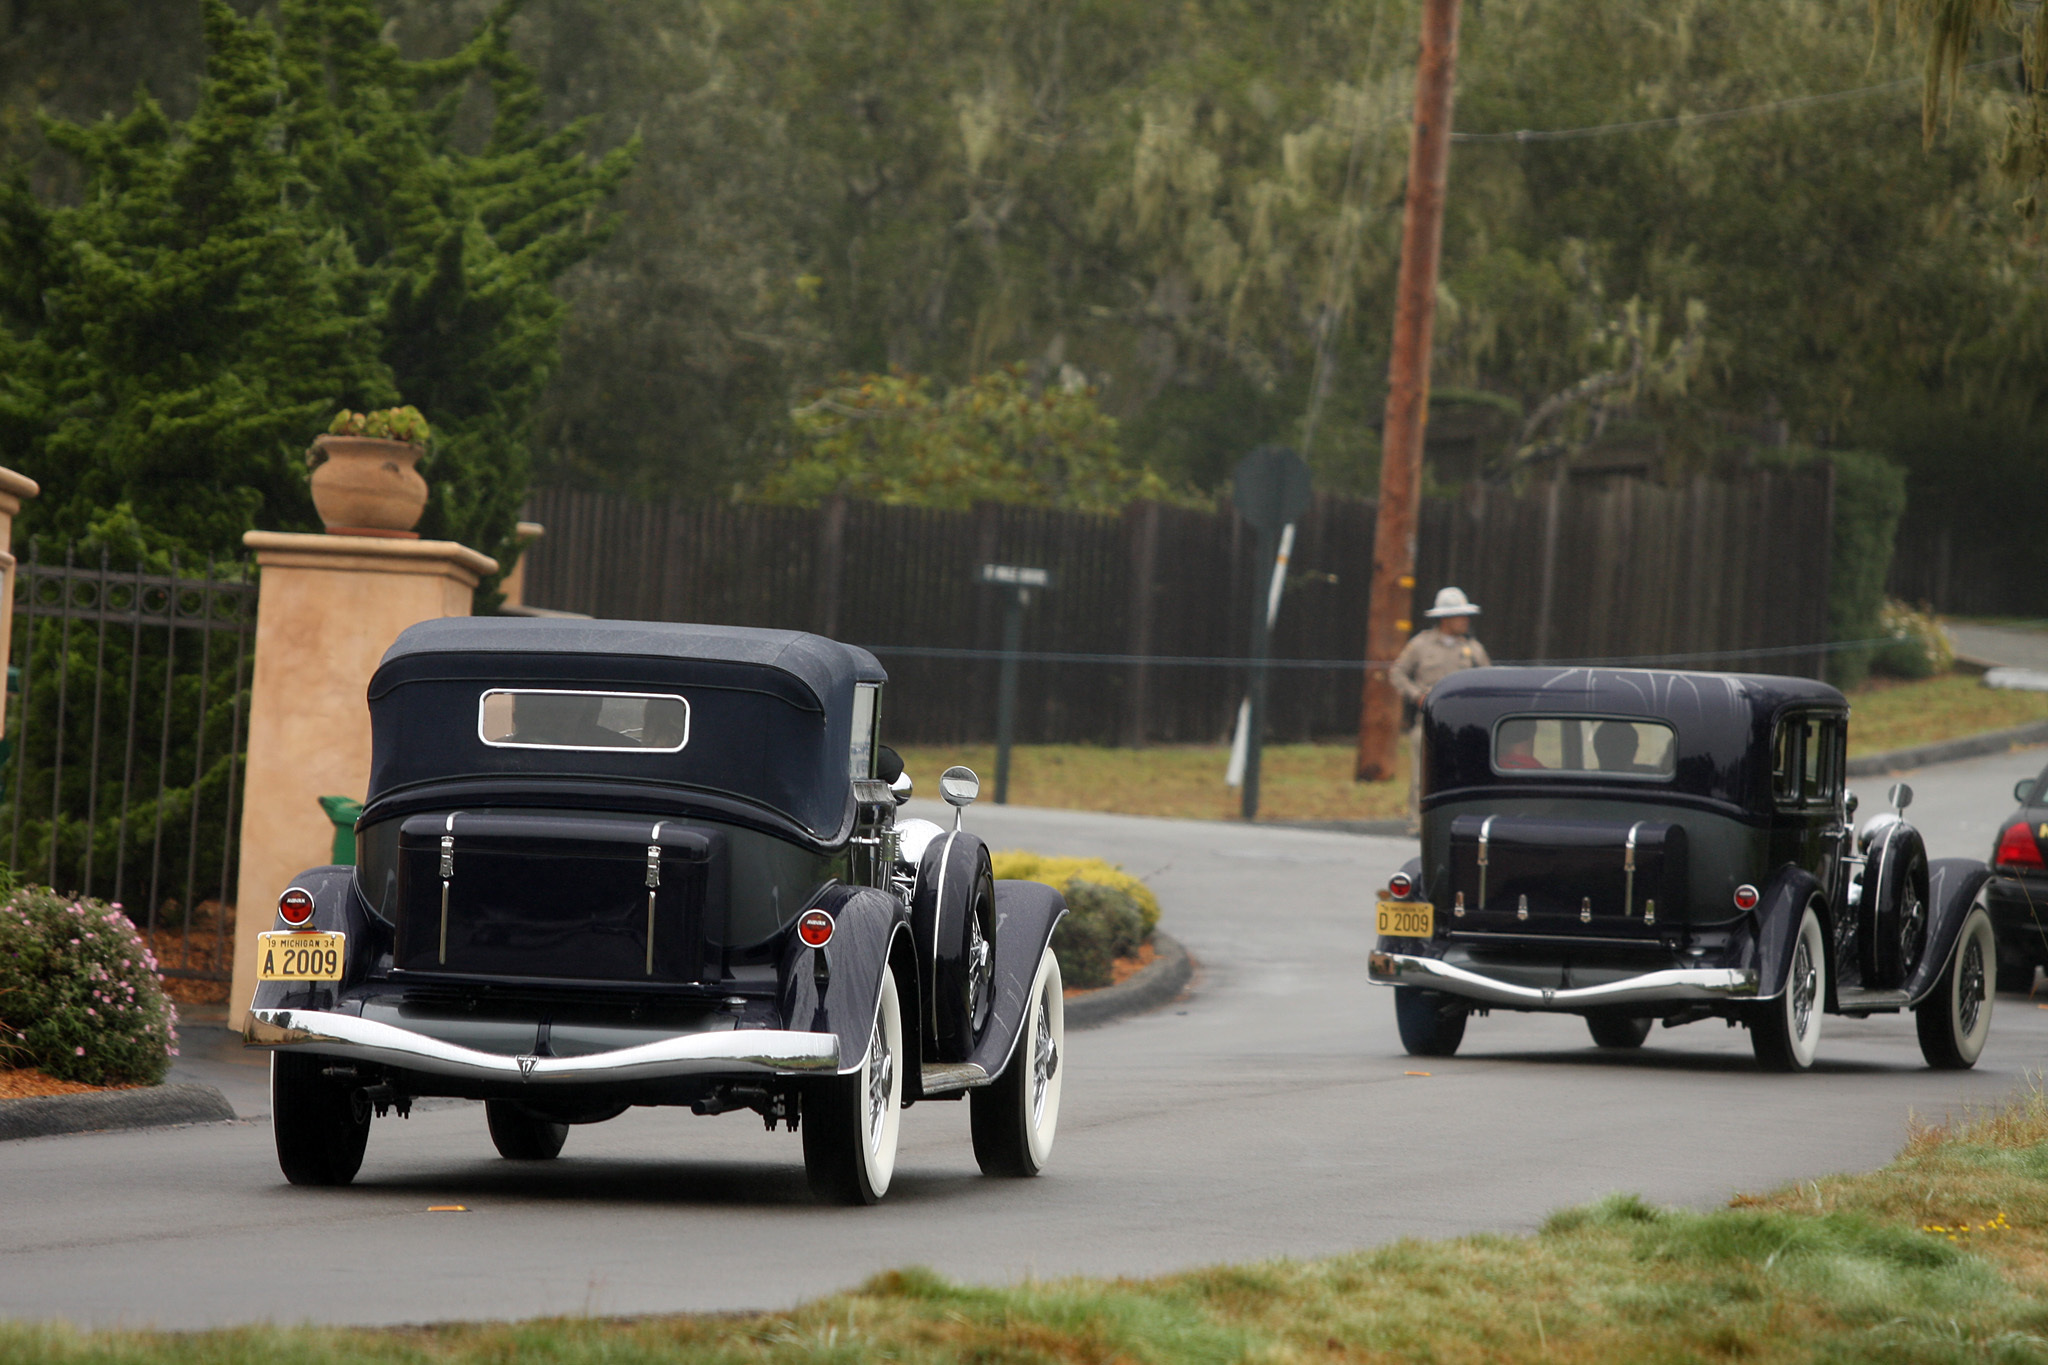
column 770, row 711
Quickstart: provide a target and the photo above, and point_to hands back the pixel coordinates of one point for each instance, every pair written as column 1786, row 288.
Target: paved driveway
column 1270, row 1113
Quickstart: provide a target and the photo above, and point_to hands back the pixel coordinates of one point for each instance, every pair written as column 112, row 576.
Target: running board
column 941, row 1077
column 1857, row 1001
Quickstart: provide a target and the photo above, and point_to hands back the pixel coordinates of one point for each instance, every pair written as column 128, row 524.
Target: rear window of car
column 1606, row 745
column 539, row 718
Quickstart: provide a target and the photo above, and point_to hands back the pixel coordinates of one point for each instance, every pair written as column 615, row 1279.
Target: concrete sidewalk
column 1999, row 646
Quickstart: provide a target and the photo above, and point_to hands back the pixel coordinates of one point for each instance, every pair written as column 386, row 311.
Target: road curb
column 1165, row 977
column 156, row 1106
column 1948, row 750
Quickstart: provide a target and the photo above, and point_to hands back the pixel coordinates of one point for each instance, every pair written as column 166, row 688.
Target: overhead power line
column 1712, row 116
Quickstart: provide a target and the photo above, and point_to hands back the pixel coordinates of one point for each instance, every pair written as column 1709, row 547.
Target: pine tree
column 312, row 238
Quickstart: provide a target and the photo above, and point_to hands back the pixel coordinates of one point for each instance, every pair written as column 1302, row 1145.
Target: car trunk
column 1585, row 879
column 559, row 897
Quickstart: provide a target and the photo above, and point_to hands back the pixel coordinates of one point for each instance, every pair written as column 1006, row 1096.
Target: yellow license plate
column 1407, row 919
column 300, row 957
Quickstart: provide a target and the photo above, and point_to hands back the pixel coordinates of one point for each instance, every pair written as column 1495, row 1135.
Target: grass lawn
column 1937, row 1257
column 1313, row 781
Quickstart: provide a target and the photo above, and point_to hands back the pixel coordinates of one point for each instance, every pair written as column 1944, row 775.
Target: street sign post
column 1271, row 487
column 1018, row 583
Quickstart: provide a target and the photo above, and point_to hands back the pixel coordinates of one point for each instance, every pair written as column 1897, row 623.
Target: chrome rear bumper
column 1676, row 984
column 760, row 1051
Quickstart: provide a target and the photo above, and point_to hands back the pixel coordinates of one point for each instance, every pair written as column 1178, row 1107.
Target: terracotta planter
column 367, row 487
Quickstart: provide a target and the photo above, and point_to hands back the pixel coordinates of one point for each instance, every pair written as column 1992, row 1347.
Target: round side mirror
column 2023, row 791
column 959, row 786
column 1901, row 796
column 1849, row 804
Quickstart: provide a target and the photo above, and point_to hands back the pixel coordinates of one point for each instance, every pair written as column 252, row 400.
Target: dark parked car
column 2018, row 894
column 1634, row 845
column 610, row 863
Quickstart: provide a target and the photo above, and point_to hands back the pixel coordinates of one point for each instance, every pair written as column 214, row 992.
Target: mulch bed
column 20, row 1083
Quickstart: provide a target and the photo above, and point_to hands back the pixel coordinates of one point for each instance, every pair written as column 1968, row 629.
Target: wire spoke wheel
column 1954, row 1021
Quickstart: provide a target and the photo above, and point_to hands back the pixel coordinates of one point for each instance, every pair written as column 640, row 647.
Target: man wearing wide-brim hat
column 1427, row 660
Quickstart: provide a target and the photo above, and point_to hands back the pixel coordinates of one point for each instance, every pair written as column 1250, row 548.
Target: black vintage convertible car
column 610, row 863
column 1634, row 846
column 2018, row 894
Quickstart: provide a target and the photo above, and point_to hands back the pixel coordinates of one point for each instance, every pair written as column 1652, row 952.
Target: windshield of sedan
column 1585, row 744
column 551, row 719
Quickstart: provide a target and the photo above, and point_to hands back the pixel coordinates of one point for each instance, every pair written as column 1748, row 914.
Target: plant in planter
column 364, row 481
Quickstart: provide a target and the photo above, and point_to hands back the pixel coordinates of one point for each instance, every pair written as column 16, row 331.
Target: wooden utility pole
column 1393, row 546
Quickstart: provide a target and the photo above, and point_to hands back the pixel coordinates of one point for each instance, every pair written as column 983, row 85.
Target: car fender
column 866, row 926
column 1953, row 885
column 337, row 908
column 1777, row 930
column 1026, row 915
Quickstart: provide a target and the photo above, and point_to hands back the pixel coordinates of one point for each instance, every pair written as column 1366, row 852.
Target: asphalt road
column 1270, row 1113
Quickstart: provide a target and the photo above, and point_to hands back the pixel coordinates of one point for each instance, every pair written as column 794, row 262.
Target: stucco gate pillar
column 330, row 605
column 13, row 488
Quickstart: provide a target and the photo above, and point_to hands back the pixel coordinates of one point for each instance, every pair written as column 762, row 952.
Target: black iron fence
column 124, row 749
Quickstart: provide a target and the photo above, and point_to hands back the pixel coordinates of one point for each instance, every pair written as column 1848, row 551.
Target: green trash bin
column 344, row 811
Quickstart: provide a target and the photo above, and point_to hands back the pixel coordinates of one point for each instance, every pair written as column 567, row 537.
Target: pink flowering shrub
column 79, row 995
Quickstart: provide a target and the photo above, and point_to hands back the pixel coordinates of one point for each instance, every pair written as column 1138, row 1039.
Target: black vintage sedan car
column 1637, row 845
column 2018, row 894
column 611, row 863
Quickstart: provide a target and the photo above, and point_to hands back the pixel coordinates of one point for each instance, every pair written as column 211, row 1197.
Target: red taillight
column 295, row 906
column 1746, row 897
column 814, row 927
column 1399, row 885
column 2017, row 848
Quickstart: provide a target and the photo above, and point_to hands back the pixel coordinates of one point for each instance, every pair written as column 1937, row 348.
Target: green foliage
column 79, row 996
column 312, row 237
column 1917, row 645
column 995, row 438
column 1870, row 495
column 386, row 424
column 1102, row 924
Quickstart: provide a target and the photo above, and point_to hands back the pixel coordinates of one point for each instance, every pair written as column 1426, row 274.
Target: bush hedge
column 1110, row 913
column 80, row 999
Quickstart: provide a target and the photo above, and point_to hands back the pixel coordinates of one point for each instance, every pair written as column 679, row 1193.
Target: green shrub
column 79, row 995
column 1021, row 865
column 1102, row 924
column 1916, row 646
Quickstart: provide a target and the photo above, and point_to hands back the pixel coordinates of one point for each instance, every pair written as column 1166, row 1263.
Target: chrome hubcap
column 1805, row 985
column 1045, row 1062
column 881, row 1072
column 1970, row 986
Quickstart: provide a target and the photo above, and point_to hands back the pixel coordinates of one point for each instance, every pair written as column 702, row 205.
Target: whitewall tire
column 851, row 1122
column 1017, row 1116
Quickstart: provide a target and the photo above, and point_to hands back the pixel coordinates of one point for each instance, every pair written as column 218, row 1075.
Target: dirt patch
column 1121, row 970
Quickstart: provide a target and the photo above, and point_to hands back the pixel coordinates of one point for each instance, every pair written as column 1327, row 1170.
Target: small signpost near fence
column 1271, row 487
column 1018, row 583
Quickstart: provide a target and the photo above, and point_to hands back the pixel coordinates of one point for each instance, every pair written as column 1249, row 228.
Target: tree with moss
column 997, row 438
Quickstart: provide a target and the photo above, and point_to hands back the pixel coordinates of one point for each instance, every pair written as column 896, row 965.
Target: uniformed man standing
column 1427, row 660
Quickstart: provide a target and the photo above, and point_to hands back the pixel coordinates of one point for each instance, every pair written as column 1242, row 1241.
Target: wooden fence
column 1620, row 570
